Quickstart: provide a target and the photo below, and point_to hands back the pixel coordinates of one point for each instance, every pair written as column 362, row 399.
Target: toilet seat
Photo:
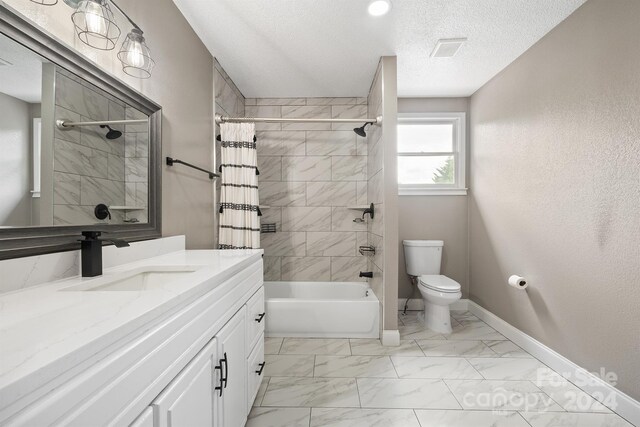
column 439, row 283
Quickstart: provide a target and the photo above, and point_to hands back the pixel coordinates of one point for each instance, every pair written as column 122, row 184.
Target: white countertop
column 46, row 328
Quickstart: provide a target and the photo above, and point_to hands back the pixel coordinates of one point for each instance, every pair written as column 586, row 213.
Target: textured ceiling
column 289, row 48
column 21, row 79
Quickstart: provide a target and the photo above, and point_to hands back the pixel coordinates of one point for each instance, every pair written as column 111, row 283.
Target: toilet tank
column 422, row 256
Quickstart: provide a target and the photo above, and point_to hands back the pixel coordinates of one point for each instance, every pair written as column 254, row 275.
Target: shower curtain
column 239, row 223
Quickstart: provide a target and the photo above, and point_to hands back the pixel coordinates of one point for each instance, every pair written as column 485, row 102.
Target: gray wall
column 555, row 179
column 182, row 83
column 310, row 174
column 15, row 162
column 435, row 217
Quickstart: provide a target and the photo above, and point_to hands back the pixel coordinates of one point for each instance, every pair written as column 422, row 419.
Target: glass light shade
column 95, row 24
column 136, row 56
column 46, row 2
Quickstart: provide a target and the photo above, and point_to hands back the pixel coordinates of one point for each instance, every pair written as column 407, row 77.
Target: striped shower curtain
column 239, row 223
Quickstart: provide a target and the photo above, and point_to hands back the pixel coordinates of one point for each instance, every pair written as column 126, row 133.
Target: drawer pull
column 260, row 317
column 259, row 372
column 226, row 370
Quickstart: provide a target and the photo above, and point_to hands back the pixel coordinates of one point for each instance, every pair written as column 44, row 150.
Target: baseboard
column 416, row 304
column 390, row 337
column 627, row 407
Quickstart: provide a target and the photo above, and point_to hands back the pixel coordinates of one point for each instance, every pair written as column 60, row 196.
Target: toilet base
column 436, row 317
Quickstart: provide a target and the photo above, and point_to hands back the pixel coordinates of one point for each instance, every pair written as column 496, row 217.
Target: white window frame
column 459, row 122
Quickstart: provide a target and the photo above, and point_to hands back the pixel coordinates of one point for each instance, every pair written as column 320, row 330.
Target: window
column 431, row 155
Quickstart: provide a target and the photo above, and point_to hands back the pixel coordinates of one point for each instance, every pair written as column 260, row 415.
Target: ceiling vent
column 447, row 48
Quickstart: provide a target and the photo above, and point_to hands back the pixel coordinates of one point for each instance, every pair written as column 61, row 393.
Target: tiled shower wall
column 310, row 174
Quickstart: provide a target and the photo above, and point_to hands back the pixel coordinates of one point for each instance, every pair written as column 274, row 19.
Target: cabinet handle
column 260, row 317
column 226, row 370
column 259, row 372
column 220, row 386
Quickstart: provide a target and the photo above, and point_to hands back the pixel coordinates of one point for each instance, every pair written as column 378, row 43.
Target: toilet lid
column 440, row 283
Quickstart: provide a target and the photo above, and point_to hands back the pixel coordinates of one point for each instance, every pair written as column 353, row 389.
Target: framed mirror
column 80, row 151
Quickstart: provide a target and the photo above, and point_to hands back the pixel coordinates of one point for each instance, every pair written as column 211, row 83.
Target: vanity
column 175, row 339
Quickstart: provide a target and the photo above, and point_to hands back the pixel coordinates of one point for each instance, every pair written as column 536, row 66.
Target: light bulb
column 135, row 56
column 94, row 18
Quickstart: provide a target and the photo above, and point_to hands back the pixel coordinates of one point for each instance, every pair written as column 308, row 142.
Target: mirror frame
column 28, row 241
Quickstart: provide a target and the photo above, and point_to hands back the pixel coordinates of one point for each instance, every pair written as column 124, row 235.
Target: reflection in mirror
column 79, row 175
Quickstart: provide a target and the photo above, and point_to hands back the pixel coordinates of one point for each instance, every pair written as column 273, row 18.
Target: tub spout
column 368, row 274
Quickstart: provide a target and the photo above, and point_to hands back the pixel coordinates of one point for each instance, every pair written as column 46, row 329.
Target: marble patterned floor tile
column 541, row 419
column 272, row 345
column 507, row 349
column 463, row 315
column 261, row 391
column 474, row 331
column 373, row 347
column 354, row 367
column 570, row 397
column 289, row 365
column 405, row 393
column 434, row 367
column 329, row 346
column 440, row 418
column 312, row 392
column 333, row 417
column 279, row 417
column 459, row 348
column 509, row 368
column 501, row 395
column 417, row 331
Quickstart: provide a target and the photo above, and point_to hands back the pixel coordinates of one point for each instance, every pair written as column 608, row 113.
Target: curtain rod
column 223, row 119
column 66, row 124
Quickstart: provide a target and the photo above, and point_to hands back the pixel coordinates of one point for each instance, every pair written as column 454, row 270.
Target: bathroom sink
column 141, row 279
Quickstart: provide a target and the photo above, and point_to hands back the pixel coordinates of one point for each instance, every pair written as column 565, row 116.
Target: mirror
column 81, row 175
column 80, row 149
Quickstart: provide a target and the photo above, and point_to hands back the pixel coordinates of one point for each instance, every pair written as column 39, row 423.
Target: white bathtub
column 321, row 310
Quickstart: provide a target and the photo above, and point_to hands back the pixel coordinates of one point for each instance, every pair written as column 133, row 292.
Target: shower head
column 360, row 131
column 112, row 134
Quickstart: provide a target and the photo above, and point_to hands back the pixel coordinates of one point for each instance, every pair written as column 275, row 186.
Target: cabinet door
column 189, row 399
column 255, row 370
column 255, row 318
column 232, row 357
column 145, row 419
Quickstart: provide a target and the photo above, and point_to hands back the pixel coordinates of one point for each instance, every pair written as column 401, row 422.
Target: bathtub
column 321, row 310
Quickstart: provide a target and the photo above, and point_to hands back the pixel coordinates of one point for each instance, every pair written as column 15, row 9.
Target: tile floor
column 473, row 377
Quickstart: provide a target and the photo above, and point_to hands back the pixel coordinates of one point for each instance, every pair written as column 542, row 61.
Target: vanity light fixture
column 46, row 2
column 136, row 56
column 379, row 7
column 95, row 24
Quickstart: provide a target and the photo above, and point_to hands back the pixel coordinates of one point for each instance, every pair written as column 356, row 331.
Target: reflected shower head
column 360, row 131
column 112, row 134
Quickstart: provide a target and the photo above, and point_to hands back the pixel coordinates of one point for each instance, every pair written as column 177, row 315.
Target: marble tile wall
column 136, row 167
column 310, row 174
column 375, row 177
column 89, row 168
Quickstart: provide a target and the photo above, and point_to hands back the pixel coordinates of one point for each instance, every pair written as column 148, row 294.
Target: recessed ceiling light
column 379, row 7
column 447, row 48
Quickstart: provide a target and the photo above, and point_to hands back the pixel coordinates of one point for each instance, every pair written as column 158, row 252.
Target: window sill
column 432, row 192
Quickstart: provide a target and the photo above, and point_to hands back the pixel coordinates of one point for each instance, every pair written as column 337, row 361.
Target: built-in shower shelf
column 126, row 208
column 358, row 208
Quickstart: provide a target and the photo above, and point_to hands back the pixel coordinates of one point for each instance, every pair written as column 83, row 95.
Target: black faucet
column 368, row 274
column 91, row 249
column 370, row 210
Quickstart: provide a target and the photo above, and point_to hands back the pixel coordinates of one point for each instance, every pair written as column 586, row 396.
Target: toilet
column 422, row 260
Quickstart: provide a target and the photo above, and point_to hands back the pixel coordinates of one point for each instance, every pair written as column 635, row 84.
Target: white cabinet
column 189, row 399
column 145, row 419
column 232, row 357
